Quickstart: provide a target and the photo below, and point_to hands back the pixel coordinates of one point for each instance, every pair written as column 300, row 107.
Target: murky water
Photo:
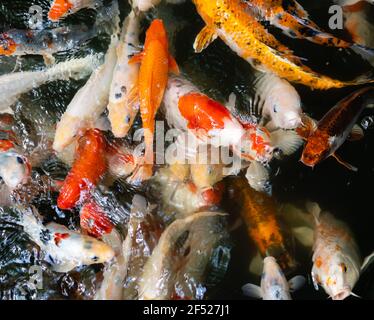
column 218, row 71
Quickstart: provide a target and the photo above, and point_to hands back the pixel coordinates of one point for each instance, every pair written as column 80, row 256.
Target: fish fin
column 296, row 283
column 314, row 209
column 369, row 259
column 173, row 66
column 231, row 103
column 345, row 164
column 307, row 127
column 258, row 177
column 288, row 141
column 48, row 59
column 251, row 290
column 356, row 134
column 305, row 235
column 136, row 58
column 205, row 37
column 256, row 264
column 64, row 267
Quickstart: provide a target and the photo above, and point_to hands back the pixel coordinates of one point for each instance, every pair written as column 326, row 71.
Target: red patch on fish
column 213, row 195
column 94, row 220
column 58, row 9
column 58, row 237
column 201, row 112
column 7, row 45
column 258, row 143
column 5, row 145
column 87, row 170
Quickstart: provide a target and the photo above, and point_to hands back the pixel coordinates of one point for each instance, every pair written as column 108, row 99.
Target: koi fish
column 259, row 212
column 230, row 21
column 87, row 170
column 212, row 122
column 123, row 97
column 294, row 21
column 274, row 99
column 326, row 137
column 274, row 285
column 44, row 42
column 88, row 103
column 111, row 288
column 336, row 259
column 179, row 197
column 173, row 266
column 63, row 248
column 14, row 84
column 155, row 64
column 145, row 5
column 62, row 8
column 15, row 168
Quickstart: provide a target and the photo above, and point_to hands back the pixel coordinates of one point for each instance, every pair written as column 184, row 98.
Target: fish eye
column 20, row 160
column 344, row 267
column 95, row 258
column 275, row 109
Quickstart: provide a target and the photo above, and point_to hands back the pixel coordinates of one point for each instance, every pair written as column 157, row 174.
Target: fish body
column 87, row 170
column 294, row 21
column 65, row 249
column 274, row 285
column 45, row 42
column 62, row 8
column 336, row 259
column 88, row 103
column 123, row 97
column 155, row 64
column 335, row 127
column 14, row 84
column 230, row 21
column 175, row 268
column 212, row 122
column 94, row 220
column 259, row 212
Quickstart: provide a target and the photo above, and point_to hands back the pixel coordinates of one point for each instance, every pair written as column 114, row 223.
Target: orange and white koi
column 63, row 248
column 87, row 170
column 336, row 259
column 123, row 97
column 274, row 285
column 14, row 84
column 259, row 212
column 155, row 64
column 326, row 137
column 15, row 168
column 241, row 31
column 62, row 8
column 88, row 103
column 294, row 21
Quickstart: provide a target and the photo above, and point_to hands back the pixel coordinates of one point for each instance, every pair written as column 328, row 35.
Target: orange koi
column 326, row 137
column 87, row 170
column 258, row 210
column 155, row 64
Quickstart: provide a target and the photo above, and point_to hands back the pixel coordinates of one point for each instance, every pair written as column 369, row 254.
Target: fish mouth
column 341, row 295
column 307, row 163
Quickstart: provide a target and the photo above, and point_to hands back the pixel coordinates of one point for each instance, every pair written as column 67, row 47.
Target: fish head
column 58, row 9
column 315, row 151
column 284, row 107
column 255, row 145
column 7, row 45
column 15, row 168
column 337, row 275
column 156, row 32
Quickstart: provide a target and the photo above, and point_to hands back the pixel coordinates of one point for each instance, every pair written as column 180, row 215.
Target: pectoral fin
column 256, row 264
column 345, row 164
column 136, row 58
column 173, row 66
column 205, row 37
column 296, row 283
column 251, row 290
column 64, row 267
